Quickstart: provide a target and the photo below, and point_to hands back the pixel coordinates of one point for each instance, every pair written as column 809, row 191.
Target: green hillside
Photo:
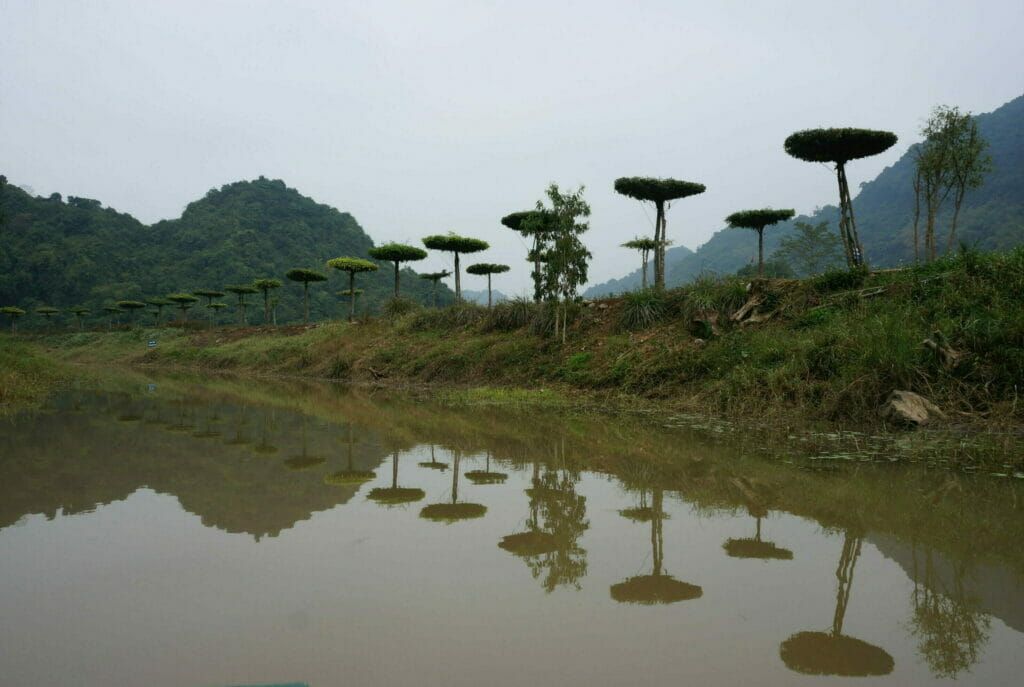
column 64, row 253
column 992, row 217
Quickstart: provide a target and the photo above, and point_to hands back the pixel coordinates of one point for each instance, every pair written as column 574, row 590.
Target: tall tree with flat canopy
column 112, row 310
column 839, row 146
column 661, row 192
column 48, row 312
column 209, row 295
column 214, row 309
column 183, row 301
column 758, row 220
column 131, row 307
column 397, row 253
column 645, row 246
column 353, row 266
column 452, row 243
column 241, row 290
column 487, row 268
column 80, row 311
column 266, row 286
column 159, row 304
column 435, row 277
column 14, row 313
column 350, row 294
column 536, row 225
column 305, row 276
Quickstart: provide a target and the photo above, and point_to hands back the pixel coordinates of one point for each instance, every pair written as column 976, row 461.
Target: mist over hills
column 992, row 217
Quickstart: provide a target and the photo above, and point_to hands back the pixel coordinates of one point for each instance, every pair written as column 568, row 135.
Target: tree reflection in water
column 756, row 547
column 395, row 495
column 454, row 511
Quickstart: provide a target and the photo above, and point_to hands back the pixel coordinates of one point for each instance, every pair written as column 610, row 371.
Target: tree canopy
column 838, row 145
column 657, row 190
column 397, row 253
column 453, row 243
column 758, row 219
column 484, row 268
column 353, row 266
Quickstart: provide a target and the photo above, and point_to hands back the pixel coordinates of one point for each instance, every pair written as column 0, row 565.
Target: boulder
column 910, row 408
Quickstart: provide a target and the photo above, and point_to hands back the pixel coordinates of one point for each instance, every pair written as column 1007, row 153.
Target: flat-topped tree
column 352, row 295
column 112, row 310
column 305, row 276
column 435, row 277
column 80, row 311
column 14, row 313
column 645, row 246
column 397, row 253
column 241, row 290
column 209, row 295
column 458, row 245
column 159, row 304
column 353, row 266
column 758, row 220
column 537, row 225
column 266, row 286
column 183, row 301
column 839, row 146
column 215, row 308
column 661, row 192
column 486, row 268
column 131, row 307
column 48, row 312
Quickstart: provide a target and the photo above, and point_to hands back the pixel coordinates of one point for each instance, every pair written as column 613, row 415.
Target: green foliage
column 398, row 306
column 396, row 252
column 838, row 145
column 641, row 244
column 452, row 243
column 485, row 268
column 839, row 280
column 131, row 305
column 511, row 315
column 566, row 266
column 774, row 269
column 812, row 248
column 642, row 309
column 266, row 285
column 758, row 219
column 299, row 274
column 657, row 190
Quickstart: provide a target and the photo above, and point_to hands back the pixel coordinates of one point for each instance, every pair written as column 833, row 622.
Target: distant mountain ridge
column 992, row 217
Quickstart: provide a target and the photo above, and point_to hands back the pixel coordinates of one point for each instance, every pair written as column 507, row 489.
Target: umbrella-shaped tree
column 395, row 495
column 132, row 307
column 47, row 311
column 485, row 476
column 305, row 276
column 645, row 246
column 352, row 295
column 833, row 653
column 454, row 511
column 14, row 313
column 434, row 278
column 434, row 463
column 353, row 266
column 111, row 311
column 537, row 226
column 661, row 192
column 159, row 304
column 397, row 253
column 183, row 301
column 756, row 547
column 758, row 220
column 487, row 268
column 80, row 311
column 209, row 295
column 350, row 476
column 241, row 290
column 214, row 309
column 839, row 146
column 457, row 245
column 266, row 286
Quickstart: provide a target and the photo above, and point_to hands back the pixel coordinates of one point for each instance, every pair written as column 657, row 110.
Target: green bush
column 642, row 309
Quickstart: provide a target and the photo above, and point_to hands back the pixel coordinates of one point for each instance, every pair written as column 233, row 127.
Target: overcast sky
column 426, row 117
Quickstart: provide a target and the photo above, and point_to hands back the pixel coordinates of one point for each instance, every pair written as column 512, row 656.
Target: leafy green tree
column 839, row 146
column 812, row 248
column 183, row 301
column 80, row 311
column 305, row 276
column 536, row 226
column 14, row 313
column 241, row 290
column 131, row 307
column 486, row 268
column 645, row 246
column 353, row 266
column 566, row 266
column 397, row 253
column 457, row 245
column 435, row 277
column 266, row 286
column 758, row 220
column 112, row 311
column 215, row 308
column 159, row 304
column 209, row 295
column 661, row 192
column 48, row 312
column 353, row 296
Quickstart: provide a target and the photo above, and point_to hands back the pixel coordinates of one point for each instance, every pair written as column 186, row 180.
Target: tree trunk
column 659, row 249
column 351, row 295
column 957, row 202
column 760, row 252
column 396, row 279
column 847, row 223
column 266, row 307
column 643, row 278
column 458, row 282
column 435, row 291
column 305, row 302
column 488, row 291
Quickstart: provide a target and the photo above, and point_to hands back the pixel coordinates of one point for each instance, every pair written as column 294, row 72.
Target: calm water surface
column 170, row 533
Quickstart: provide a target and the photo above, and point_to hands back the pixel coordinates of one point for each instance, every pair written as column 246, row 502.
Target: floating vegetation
column 453, row 512
column 532, row 543
column 304, row 462
column 394, row 496
column 485, row 477
column 654, row 589
column 350, row 477
column 821, row 653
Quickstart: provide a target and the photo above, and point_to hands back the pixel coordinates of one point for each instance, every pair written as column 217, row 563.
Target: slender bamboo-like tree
column 305, row 276
column 565, row 263
column 353, row 266
column 241, row 290
column 486, row 268
column 839, row 146
column 184, row 302
column 48, row 312
column 435, row 277
column 758, row 220
column 397, row 253
column 209, row 295
column 80, row 311
column 131, row 307
column 14, row 313
column 458, row 245
column 645, row 246
column 266, row 286
column 661, row 192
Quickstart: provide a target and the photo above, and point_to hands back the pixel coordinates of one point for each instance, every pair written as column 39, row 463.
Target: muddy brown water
column 176, row 532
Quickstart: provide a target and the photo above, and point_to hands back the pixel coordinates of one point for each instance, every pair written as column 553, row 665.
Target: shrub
column 642, row 309
column 840, row 280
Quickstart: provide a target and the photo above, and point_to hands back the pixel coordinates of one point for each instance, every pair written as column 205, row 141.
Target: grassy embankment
column 27, row 376
column 828, row 348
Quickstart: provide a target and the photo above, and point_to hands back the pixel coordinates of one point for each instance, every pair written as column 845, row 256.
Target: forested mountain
column 62, row 254
column 992, row 216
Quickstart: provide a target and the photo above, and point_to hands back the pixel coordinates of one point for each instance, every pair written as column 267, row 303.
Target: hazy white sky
column 433, row 116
